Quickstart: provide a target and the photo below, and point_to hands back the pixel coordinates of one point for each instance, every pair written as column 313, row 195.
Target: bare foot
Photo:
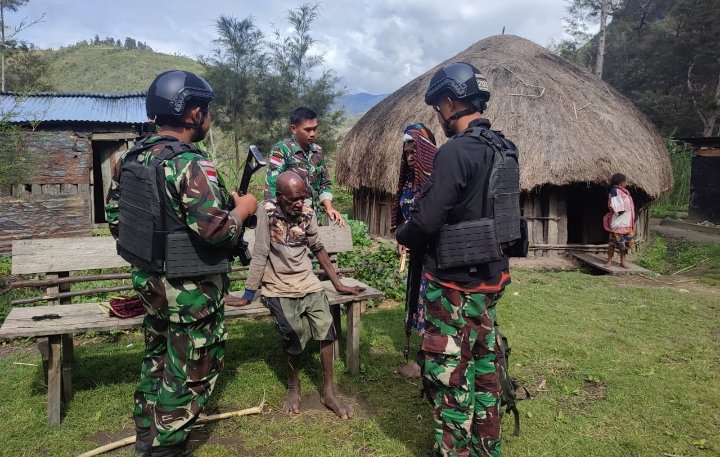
column 608, row 263
column 291, row 405
column 410, row 371
column 622, row 264
column 333, row 403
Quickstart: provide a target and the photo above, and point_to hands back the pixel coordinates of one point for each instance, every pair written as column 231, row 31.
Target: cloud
column 375, row 46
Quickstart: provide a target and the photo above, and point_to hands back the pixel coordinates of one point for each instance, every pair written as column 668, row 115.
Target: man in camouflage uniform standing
column 184, row 325
column 458, row 348
column 300, row 154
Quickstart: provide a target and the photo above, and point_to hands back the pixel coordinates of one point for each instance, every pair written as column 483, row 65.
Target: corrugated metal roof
column 127, row 108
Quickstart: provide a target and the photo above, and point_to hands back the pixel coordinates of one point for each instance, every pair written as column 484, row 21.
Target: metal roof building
column 71, row 143
column 123, row 108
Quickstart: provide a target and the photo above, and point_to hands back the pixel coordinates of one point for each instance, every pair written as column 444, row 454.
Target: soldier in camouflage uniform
column 184, row 325
column 458, row 350
column 286, row 230
column 300, row 154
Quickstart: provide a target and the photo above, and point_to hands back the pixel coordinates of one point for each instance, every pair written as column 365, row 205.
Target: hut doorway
column 586, row 206
column 105, row 155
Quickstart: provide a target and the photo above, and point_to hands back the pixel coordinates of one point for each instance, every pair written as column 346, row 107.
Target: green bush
column 376, row 265
column 680, row 159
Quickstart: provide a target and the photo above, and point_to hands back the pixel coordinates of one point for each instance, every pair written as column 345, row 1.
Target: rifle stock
column 254, row 162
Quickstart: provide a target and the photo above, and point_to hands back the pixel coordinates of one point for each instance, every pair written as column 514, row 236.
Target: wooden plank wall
column 45, row 215
column 373, row 208
column 55, row 203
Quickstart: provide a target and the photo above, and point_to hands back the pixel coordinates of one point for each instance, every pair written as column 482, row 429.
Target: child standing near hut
column 418, row 155
column 620, row 220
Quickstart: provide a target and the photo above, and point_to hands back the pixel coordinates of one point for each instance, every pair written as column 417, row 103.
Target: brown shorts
column 300, row 319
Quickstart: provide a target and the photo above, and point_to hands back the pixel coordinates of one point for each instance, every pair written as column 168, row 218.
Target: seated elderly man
column 286, row 227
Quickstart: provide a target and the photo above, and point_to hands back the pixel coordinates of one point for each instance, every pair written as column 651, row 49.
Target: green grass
column 627, row 368
column 672, row 256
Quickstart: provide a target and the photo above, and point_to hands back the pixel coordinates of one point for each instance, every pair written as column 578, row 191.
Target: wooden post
column 335, row 311
column 353, row 337
column 54, row 380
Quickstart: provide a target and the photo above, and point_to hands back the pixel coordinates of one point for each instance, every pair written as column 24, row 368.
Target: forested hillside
column 662, row 54
column 100, row 68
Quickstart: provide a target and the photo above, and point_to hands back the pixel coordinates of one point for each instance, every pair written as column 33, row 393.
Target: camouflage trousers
column 459, row 375
column 181, row 364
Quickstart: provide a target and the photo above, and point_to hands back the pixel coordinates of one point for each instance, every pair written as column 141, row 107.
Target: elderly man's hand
column 345, row 290
column 336, row 217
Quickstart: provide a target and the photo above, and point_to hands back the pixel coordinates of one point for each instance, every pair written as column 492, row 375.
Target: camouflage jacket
column 280, row 260
column 287, row 155
column 196, row 193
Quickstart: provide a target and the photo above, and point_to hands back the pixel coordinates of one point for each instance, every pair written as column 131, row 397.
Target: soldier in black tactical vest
column 171, row 215
column 467, row 216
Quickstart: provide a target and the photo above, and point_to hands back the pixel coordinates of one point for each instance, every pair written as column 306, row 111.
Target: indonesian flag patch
column 209, row 169
column 211, row 174
column 275, row 161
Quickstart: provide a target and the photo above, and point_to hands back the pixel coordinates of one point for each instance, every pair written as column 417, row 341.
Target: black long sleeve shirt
column 454, row 193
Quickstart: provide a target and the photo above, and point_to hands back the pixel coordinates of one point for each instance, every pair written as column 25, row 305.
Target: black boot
column 178, row 450
column 143, row 442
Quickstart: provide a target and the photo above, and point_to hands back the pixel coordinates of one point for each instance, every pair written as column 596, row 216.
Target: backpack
column 508, row 385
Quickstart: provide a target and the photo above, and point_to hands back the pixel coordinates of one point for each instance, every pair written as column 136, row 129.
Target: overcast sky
column 375, row 46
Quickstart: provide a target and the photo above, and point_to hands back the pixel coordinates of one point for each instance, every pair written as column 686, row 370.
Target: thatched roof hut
column 573, row 132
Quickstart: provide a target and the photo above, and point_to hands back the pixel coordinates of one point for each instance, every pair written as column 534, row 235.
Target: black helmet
column 460, row 81
column 170, row 92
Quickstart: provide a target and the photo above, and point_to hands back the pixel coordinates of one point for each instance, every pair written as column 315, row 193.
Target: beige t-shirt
column 280, row 260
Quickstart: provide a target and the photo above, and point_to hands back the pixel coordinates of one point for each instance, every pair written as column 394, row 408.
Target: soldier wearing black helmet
column 170, row 213
column 458, row 349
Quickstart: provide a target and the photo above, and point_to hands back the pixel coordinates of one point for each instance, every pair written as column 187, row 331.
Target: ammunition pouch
column 467, row 244
column 186, row 256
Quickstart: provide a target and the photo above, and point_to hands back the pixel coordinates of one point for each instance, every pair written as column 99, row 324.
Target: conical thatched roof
column 569, row 125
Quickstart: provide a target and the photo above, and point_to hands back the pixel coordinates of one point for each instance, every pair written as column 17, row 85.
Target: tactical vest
column 502, row 189
column 151, row 236
column 501, row 230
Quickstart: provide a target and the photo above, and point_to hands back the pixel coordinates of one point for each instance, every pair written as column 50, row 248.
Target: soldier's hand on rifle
column 345, row 290
column 245, row 206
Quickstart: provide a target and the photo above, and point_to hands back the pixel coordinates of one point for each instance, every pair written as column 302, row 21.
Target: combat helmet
column 460, row 81
column 170, row 92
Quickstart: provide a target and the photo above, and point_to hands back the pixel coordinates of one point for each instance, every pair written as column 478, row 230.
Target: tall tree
column 665, row 58
column 8, row 40
column 295, row 64
column 236, row 69
column 581, row 13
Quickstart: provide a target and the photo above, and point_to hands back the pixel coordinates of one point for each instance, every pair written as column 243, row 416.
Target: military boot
column 143, row 442
column 178, row 450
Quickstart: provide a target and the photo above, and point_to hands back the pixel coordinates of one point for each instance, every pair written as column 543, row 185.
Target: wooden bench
column 58, row 258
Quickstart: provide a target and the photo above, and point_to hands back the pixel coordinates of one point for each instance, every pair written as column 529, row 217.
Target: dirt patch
column 682, row 233
column 543, row 263
column 101, row 439
column 18, row 347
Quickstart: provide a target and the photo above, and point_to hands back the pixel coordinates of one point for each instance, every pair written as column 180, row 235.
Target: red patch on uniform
column 275, row 161
column 212, row 175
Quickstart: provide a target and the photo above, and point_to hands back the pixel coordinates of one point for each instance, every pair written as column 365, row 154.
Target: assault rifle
column 412, row 294
column 254, row 162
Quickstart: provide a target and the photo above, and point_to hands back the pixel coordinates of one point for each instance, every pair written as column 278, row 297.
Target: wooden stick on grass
column 201, row 420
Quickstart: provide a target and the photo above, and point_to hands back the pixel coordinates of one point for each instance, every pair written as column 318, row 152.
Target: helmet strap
column 457, row 115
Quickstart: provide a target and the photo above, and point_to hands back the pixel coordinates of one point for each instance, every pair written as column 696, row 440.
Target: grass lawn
column 618, row 367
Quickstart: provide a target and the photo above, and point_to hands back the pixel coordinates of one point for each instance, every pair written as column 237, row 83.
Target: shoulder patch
column 276, row 159
column 209, row 169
